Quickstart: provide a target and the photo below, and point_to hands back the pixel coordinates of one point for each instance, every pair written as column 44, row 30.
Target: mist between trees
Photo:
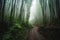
column 18, row 16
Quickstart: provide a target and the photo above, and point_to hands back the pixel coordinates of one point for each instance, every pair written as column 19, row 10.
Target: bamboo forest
column 18, row 17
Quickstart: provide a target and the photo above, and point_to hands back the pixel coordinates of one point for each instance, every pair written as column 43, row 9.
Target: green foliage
column 17, row 32
column 15, row 14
